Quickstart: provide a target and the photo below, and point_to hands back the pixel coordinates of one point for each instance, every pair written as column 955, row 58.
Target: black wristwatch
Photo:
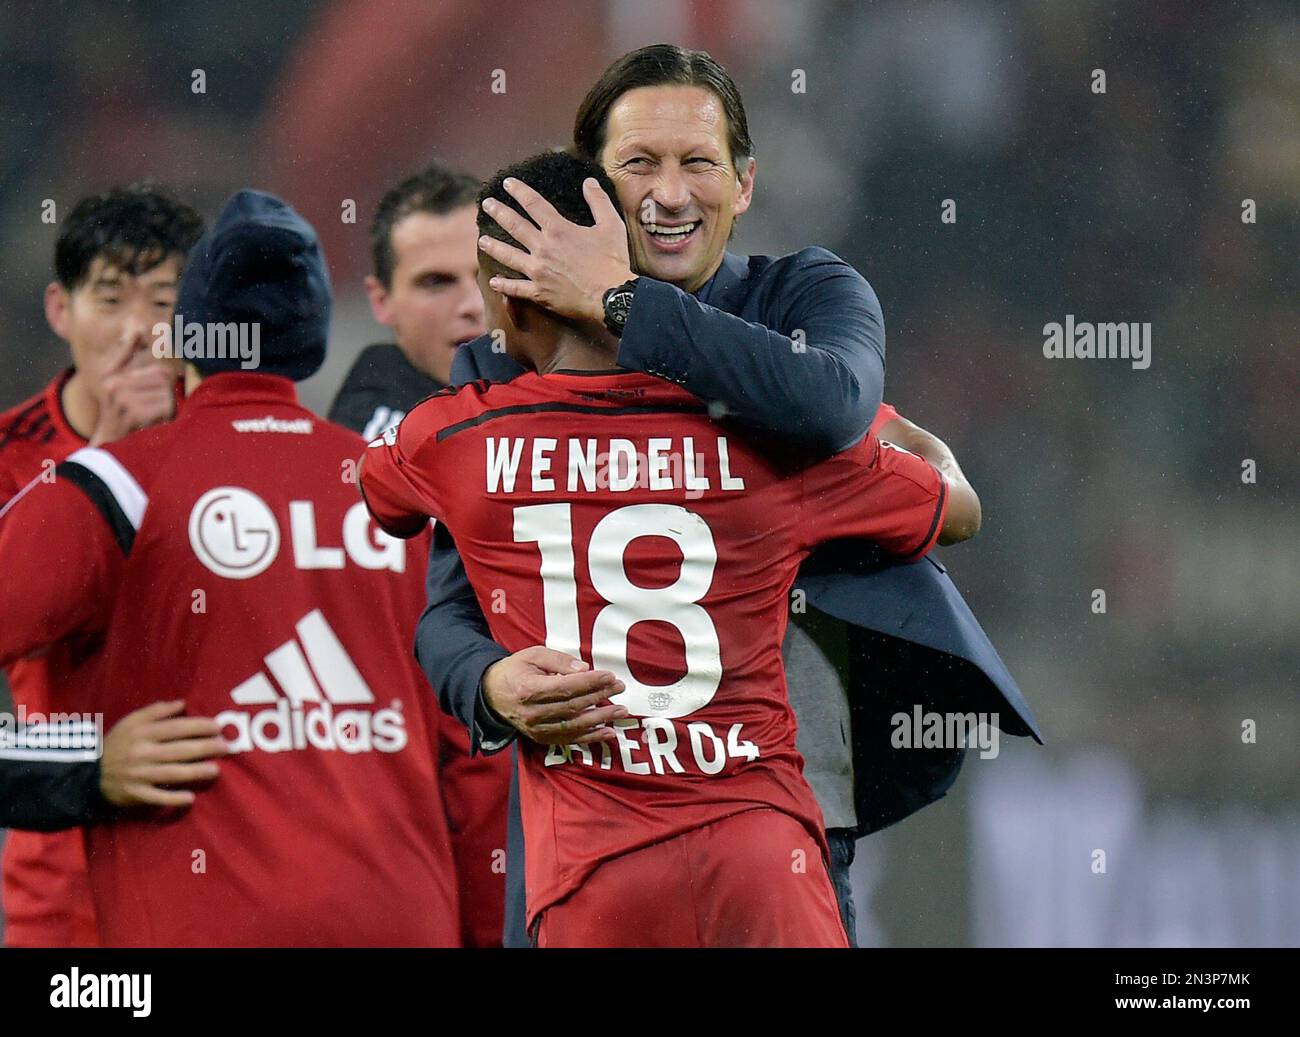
column 618, row 304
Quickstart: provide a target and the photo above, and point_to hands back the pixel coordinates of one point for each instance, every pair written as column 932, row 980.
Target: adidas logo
column 318, row 679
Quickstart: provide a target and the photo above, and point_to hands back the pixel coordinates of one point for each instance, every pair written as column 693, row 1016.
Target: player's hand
column 137, row 392
column 156, row 747
column 553, row 698
column 567, row 268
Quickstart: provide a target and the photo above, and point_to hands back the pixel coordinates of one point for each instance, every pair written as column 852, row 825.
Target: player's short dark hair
column 135, row 228
column 557, row 176
column 661, row 64
column 435, row 189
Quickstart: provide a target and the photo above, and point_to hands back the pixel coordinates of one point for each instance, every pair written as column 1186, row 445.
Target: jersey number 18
column 550, row 527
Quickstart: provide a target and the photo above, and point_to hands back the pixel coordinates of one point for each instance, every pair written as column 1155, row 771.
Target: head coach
column 791, row 348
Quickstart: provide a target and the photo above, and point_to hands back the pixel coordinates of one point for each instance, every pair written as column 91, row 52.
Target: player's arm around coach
column 792, row 346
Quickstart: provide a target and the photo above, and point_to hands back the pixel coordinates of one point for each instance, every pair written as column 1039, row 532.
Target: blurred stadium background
column 1122, row 206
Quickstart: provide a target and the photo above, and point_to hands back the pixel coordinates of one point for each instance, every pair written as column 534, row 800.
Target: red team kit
column 333, row 822
column 604, row 543
column 605, row 515
column 46, row 891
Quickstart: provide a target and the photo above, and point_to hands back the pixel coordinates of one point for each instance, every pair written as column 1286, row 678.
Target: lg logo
column 235, row 534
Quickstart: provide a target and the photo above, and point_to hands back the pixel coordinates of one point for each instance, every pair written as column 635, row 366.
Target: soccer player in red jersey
column 224, row 557
column 117, row 263
column 604, row 514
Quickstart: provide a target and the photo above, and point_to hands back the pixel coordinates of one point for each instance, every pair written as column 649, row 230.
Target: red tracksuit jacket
column 46, row 892
column 226, row 558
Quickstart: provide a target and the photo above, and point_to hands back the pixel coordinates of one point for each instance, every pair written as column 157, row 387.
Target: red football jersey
column 605, row 515
column 226, row 559
column 46, row 891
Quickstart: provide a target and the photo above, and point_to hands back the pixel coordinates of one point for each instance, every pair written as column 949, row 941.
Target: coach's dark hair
column 661, row 64
column 558, row 177
column 135, row 228
column 435, row 189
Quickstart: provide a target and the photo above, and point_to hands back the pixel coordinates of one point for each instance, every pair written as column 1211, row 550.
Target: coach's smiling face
column 667, row 152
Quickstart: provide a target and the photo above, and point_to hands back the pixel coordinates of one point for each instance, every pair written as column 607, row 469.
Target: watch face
column 618, row 307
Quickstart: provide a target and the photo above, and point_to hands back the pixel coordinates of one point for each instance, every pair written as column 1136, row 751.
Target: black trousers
column 843, row 843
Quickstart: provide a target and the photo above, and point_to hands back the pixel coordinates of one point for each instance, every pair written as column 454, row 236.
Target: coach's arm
column 452, row 643
column 813, row 371
column 793, row 346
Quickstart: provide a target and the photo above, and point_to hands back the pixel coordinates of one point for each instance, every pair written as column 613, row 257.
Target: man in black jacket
column 425, row 258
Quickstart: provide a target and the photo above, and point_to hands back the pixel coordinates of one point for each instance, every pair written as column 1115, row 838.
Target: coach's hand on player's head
column 567, row 268
column 155, row 748
column 137, row 392
column 552, row 697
